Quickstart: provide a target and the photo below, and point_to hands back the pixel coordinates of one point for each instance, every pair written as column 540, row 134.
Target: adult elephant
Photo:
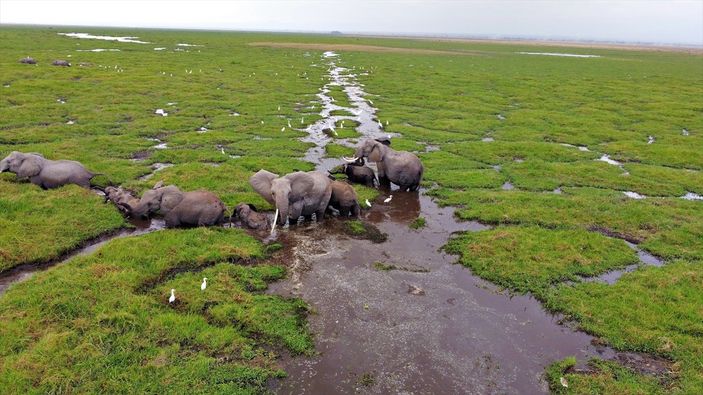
column 295, row 194
column 44, row 172
column 180, row 209
column 399, row 167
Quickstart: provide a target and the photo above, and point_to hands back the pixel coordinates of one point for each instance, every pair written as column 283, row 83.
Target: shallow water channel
column 400, row 316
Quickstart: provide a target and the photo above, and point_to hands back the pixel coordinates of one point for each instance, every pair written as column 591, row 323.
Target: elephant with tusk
column 295, row 194
column 121, row 198
column 399, row 167
column 180, row 209
column 44, row 172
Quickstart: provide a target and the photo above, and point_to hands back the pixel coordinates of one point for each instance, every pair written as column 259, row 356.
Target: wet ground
column 400, row 316
column 426, row 326
column 23, row 272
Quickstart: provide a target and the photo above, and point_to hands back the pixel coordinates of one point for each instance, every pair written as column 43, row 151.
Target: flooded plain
column 400, row 316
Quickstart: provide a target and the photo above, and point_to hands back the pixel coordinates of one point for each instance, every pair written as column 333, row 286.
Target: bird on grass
column 380, row 124
column 387, row 200
column 289, row 124
column 173, row 296
column 204, row 284
column 283, row 129
column 368, row 203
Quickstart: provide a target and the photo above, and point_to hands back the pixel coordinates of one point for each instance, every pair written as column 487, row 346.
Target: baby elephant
column 358, row 174
column 121, row 198
column 250, row 218
column 344, row 199
column 44, row 172
column 180, row 209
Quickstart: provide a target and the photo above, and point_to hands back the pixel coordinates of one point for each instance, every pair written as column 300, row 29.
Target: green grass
column 609, row 104
column 607, row 378
column 532, row 259
column 418, row 223
column 102, row 323
column 37, row 225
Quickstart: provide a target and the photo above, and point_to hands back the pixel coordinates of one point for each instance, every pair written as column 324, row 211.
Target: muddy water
column 426, row 326
column 26, row 271
column 645, row 259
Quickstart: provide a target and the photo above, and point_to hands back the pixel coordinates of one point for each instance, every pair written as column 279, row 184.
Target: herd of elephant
column 295, row 195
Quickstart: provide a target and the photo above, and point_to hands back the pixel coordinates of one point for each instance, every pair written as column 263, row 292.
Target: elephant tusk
column 275, row 218
column 354, row 159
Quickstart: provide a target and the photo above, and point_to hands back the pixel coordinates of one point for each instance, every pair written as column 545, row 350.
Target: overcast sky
column 673, row 21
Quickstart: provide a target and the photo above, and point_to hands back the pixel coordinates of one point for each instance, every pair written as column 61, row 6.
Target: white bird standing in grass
column 173, row 296
column 368, row 203
column 289, row 124
column 204, row 284
column 380, row 124
column 371, row 101
column 283, row 129
column 387, row 200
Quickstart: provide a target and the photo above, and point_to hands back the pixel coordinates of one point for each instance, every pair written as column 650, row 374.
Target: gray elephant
column 180, row 209
column 344, row 199
column 121, row 198
column 295, row 194
column 359, row 174
column 249, row 217
column 45, row 172
column 399, row 167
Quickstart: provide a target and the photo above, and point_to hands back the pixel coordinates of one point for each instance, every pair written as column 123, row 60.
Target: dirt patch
column 360, row 48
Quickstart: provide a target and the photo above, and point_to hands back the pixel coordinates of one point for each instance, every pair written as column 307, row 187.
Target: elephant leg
column 172, row 220
column 355, row 210
column 344, row 211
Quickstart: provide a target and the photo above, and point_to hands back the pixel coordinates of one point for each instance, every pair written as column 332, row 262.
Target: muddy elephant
column 180, row 209
column 249, row 217
column 45, row 172
column 399, row 167
column 295, row 194
column 343, row 199
column 358, row 174
column 121, row 198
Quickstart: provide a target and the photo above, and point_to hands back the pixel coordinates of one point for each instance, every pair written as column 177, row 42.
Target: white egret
column 388, row 199
column 204, row 284
column 173, row 296
column 368, row 203
column 283, row 129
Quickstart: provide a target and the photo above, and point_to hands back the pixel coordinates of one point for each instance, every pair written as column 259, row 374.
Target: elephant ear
column 261, row 182
column 376, row 155
column 300, row 184
column 30, row 167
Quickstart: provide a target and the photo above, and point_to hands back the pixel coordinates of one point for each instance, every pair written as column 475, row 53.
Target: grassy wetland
column 578, row 167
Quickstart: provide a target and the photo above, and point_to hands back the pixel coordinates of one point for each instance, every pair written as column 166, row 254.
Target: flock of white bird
column 172, row 298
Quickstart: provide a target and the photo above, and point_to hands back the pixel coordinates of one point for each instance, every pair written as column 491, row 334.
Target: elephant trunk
column 138, row 210
column 4, row 166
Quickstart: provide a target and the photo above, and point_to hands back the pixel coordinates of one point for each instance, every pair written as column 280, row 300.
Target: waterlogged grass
column 531, row 259
column 103, row 323
column 606, row 378
column 495, row 115
column 38, row 225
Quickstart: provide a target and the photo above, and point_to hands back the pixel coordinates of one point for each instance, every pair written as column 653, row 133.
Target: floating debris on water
column 126, row 39
column 567, row 55
column 634, row 195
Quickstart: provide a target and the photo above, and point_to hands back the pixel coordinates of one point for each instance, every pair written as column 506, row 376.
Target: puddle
column 487, row 139
column 580, row 147
column 684, row 132
column 98, row 50
column 646, row 259
column 126, row 39
column 188, row 45
column 497, row 168
column 160, row 111
column 156, row 167
column 567, row 55
column 500, row 117
column 692, row 196
column 650, row 139
column 507, row 186
column 557, row 191
column 435, row 330
column 26, row 271
column 634, row 195
column 159, row 49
